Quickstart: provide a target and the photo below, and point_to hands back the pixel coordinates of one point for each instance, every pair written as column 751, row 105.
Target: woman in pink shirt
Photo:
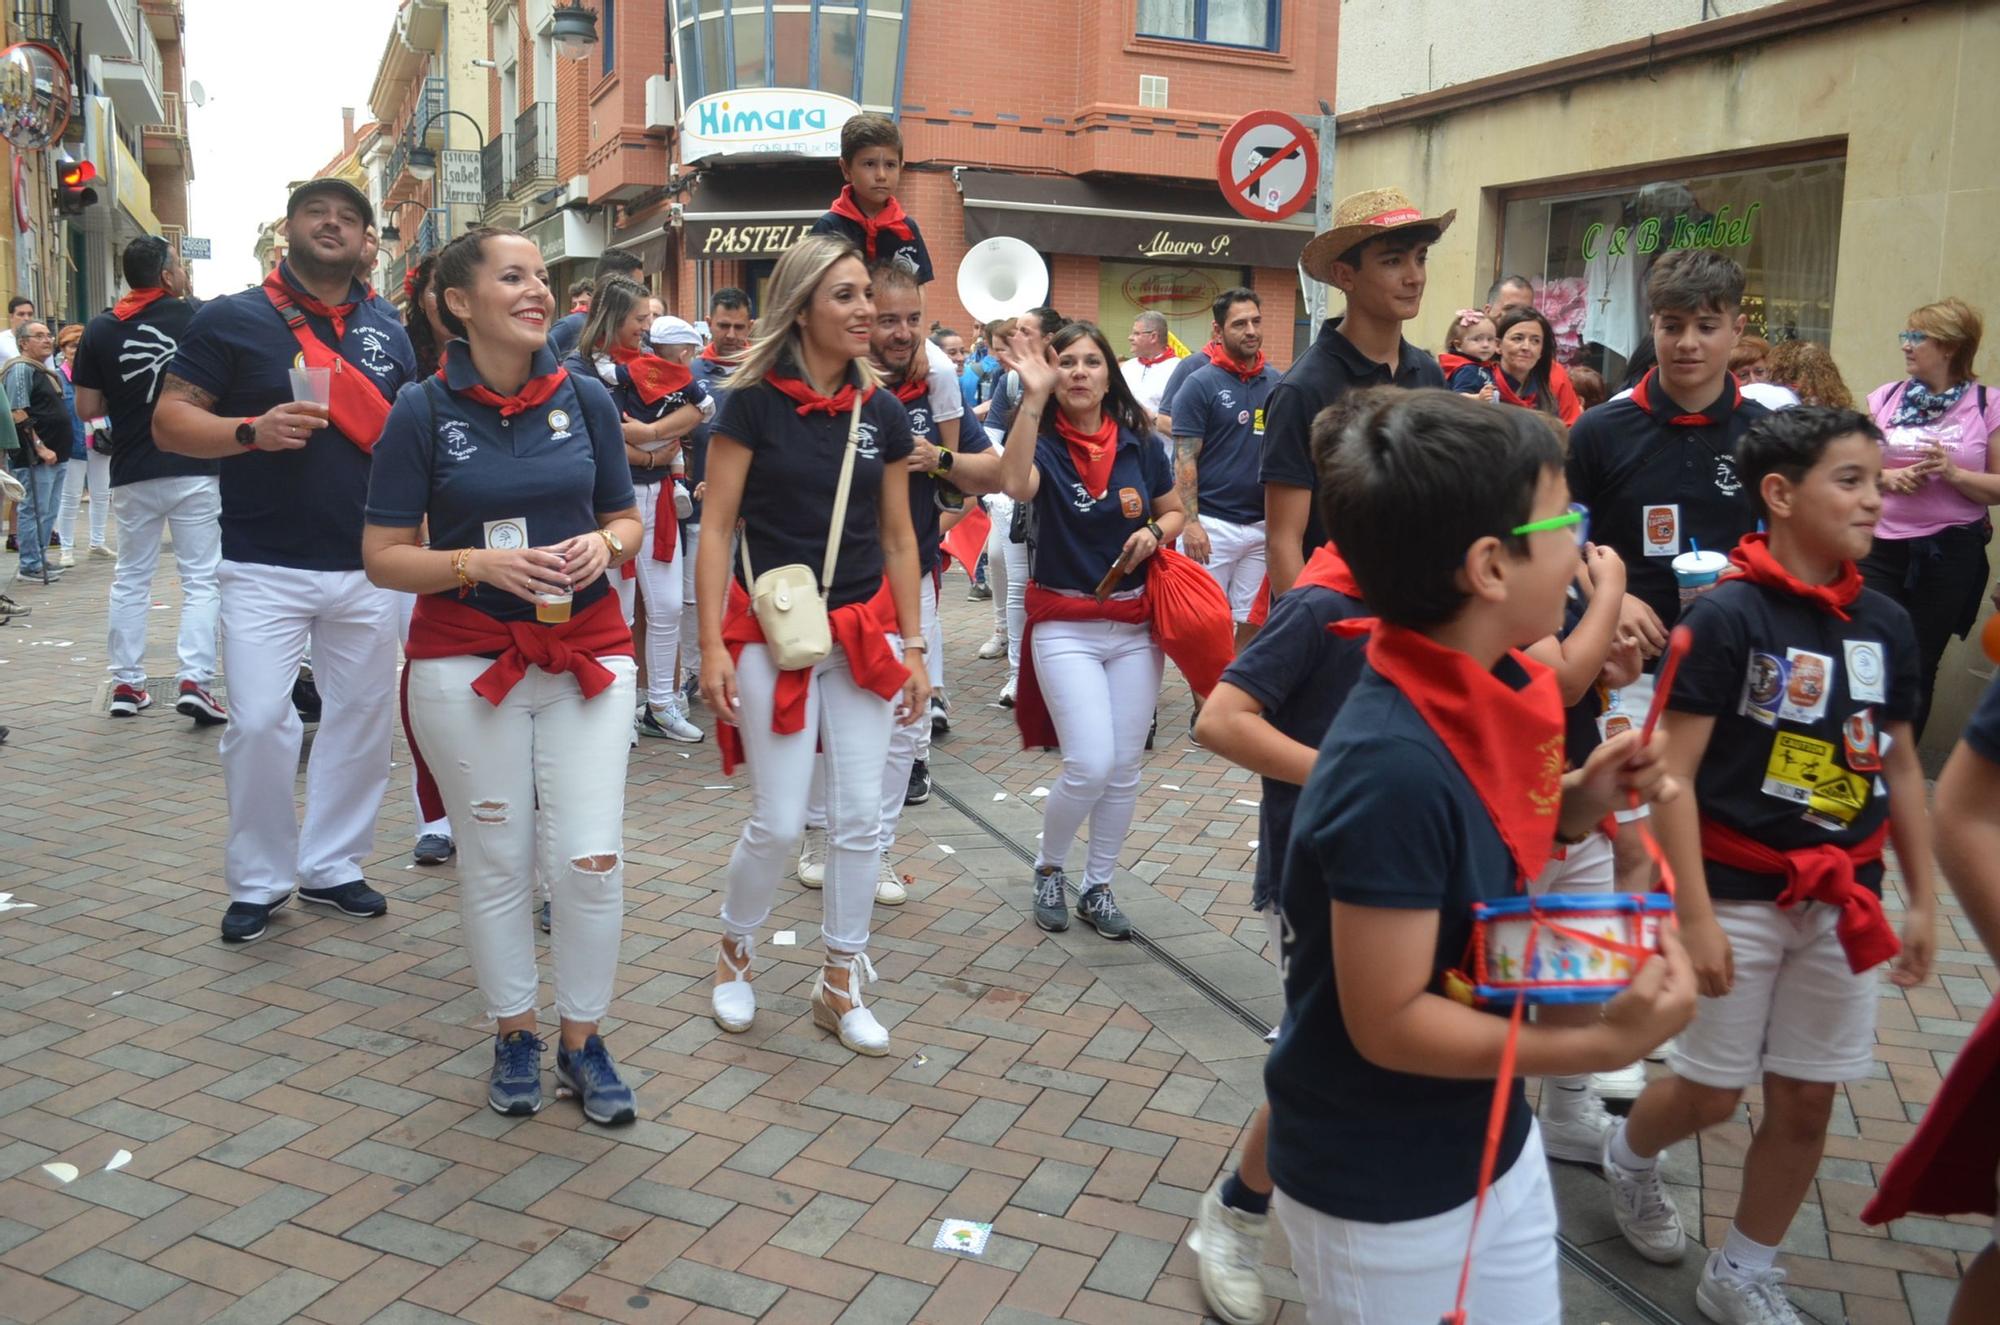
column 1939, row 477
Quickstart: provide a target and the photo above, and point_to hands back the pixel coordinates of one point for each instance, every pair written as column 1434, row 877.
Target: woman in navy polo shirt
column 521, row 671
column 774, row 461
column 1104, row 502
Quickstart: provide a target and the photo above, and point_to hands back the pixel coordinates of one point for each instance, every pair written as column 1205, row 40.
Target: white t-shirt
column 1148, row 382
column 947, row 399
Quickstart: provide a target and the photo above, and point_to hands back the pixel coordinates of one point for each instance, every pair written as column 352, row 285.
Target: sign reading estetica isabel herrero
column 755, row 121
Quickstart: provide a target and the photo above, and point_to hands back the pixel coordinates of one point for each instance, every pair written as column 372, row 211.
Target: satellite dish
column 34, row 95
column 197, row 94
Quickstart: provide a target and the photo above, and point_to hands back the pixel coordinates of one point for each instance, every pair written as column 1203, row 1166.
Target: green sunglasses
column 1577, row 517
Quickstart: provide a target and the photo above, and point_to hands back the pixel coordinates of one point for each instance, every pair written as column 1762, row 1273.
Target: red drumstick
column 1678, row 644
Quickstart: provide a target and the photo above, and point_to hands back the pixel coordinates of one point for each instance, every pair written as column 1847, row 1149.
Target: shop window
column 1185, row 296
column 853, row 48
column 1252, row 23
column 1589, row 254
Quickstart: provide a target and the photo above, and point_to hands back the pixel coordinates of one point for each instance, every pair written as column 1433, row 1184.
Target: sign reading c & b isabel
column 754, row 121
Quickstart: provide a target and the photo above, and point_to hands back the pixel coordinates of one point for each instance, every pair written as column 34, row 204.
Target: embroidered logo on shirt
column 375, row 352
column 1726, row 481
column 864, row 442
column 558, row 424
column 452, row 437
column 1080, row 497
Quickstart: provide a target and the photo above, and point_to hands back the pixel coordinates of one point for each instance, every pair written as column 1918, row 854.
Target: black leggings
column 1938, row 580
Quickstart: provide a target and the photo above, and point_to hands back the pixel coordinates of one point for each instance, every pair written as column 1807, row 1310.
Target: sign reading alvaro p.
column 755, row 121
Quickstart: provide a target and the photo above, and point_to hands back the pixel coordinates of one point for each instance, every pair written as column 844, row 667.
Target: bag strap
column 833, row 530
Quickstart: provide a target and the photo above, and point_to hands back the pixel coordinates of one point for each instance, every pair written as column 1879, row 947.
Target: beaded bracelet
column 459, row 561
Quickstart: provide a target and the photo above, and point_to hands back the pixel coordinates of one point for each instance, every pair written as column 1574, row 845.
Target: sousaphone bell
column 1002, row 277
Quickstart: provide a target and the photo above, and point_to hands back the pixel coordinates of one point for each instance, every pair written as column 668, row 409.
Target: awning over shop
column 754, row 211
column 1125, row 219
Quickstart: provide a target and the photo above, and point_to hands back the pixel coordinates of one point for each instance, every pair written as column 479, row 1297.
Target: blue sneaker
column 547, row 921
column 606, row 1099
column 516, row 1086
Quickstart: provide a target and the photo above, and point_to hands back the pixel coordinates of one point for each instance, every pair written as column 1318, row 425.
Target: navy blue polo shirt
column 1184, row 368
column 1800, row 700
column 1076, row 537
column 1227, row 414
column 910, row 254
column 127, row 361
column 713, row 374
column 290, row 508
column 1387, row 819
column 925, row 514
column 558, row 467
column 630, row 406
column 566, row 334
column 1657, row 488
column 1982, row 730
column 1328, row 369
column 1301, row 672
column 795, row 460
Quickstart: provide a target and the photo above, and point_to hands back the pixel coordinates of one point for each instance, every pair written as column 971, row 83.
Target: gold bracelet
column 459, row 561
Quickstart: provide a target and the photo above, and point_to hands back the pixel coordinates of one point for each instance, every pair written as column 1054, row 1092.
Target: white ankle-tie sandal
column 733, row 1003
column 857, row 1027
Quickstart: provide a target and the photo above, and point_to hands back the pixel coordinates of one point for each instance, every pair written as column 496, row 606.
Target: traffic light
column 73, row 191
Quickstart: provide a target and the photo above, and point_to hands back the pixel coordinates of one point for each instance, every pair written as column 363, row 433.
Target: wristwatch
column 612, row 541
column 1159, row 534
column 246, row 434
column 944, row 462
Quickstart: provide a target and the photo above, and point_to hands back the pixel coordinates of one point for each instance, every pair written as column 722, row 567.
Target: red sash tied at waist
column 1031, row 711
column 860, row 630
column 666, row 528
column 1946, row 1168
column 1823, row 873
column 445, row 628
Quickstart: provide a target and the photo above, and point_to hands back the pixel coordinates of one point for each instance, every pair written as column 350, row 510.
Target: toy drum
column 1586, row 948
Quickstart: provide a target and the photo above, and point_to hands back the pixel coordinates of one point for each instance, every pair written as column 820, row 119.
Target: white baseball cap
column 670, row 330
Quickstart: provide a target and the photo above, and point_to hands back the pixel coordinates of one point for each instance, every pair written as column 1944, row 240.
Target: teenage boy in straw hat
column 1375, row 255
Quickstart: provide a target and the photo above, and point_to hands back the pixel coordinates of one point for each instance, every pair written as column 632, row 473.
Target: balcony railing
column 535, row 146
column 496, row 166
column 432, row 233
column 429, row 111
column 49, row 21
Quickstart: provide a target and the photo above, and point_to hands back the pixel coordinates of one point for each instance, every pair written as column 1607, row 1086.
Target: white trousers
column 852, row 726
column 96, row 472
column 1236, row 561
column 192, row 508
column 1007, row 576
column 908, row 742
column 1100, row 680
column 660, row 581
column 690, row 665
column 269, row 615
column 1406, row 1273
column 537, row 780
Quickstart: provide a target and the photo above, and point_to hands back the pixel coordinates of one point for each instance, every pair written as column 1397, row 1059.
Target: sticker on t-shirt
column 1612, row 724
column 1804, row 771
column 1808, row 677
column 1257, row 422
column 558, row 425
column 1128, row 502
column 1866, row 672
column 1662, row 531
column 1763, row 687
column 507, row 533
column 1864, row 754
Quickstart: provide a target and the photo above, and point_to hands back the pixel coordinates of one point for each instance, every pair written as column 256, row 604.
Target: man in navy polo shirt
column 293, row 487
column 1218, row 448
column 568, row 329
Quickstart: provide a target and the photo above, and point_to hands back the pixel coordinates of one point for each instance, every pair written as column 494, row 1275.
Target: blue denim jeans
column 38, row 513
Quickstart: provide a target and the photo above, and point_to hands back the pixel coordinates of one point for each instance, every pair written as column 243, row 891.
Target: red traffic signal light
column 77, row 174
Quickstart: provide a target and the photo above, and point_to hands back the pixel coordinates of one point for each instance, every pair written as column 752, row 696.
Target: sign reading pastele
column 753, row 121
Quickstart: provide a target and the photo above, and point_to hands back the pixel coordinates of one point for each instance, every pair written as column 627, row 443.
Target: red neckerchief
column 276, row 285
column 1753, row 561
column 1091, row 452
column 890, row 219
column 1220, row 357
column 1327, row 569
column 1507, row 742
column 912, row 388
column 1161, row 357
column 710, row 353
column 1642, row 396
column 532, row 393
column 810, row 400
column 1451, row 361
column 131, row 305
column 651, row 378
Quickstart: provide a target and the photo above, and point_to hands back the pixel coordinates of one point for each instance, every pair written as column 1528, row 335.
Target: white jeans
column 1236, row 561
column 908, row 742
column 851, row 726
column 1007, row 576
column 537, row 780
column 690, row 665
column 1100, row 680
column 269, row 615
column 660, row 581
column 192, row 508
column 1353, row 1273
column 96, row 472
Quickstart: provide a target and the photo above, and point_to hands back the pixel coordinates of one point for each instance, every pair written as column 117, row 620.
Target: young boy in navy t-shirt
column 1440, row 784
column 866, row 214
column 1791, row 718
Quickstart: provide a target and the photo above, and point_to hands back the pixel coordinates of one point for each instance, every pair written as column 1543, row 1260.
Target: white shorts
column 1629, row 702
column 1588, row 867
column 1795, row 1010
column 1236, row 560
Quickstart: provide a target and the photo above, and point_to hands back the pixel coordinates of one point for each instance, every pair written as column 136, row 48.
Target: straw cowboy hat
column 1364, row 216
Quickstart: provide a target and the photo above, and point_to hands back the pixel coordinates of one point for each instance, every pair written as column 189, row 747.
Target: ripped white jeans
column 546, row 745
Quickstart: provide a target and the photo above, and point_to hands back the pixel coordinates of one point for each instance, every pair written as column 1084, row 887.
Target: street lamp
column 574, row 29
column 422, row 161
column 390, row 233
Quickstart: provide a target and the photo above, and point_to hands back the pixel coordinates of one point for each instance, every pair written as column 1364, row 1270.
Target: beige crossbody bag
column 790, row 607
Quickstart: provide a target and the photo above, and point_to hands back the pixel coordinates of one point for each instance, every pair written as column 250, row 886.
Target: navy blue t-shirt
column 1473, row 378
column 1301, row 673
column 290, row 508
column 1227, row 414
column 713, row 374
column 1076, row 537
column 1800, row 700
column 126, row 361
column 1184, row 368
column 788, row 494
column 558, row 466
column 1387, row 819
column 924, row 512
column 909, row 254
column 566, row 334
column 632, row 407
column 1581, row 733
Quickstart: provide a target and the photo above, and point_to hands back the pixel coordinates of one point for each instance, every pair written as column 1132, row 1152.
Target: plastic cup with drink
column 312, row 386
column 1697, row 572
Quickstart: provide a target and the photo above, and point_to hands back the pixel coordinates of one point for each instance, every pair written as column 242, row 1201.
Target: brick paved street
column 306, row 1117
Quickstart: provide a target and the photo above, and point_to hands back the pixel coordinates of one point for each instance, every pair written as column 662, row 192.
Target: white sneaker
column 1229, row 1244
column 672, row 720
column 994, row 647
column 1643, row 1209
column 733, row 1003
column 889, row 889
column 1007, row 693
column 683, row 502
column 1730, row 1297
column 1578, row 1138
column 66, row 558
column 856, row 1027
column 1659, row 1055
column 812, row 858
column 1627, row 1083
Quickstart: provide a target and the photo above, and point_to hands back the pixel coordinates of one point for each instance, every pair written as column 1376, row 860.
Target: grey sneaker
column 1051, row 906
column 1643, row 1209
column 1097, row 909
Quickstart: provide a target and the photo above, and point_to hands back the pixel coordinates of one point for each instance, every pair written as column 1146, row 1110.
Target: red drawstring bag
column 1191, row 621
